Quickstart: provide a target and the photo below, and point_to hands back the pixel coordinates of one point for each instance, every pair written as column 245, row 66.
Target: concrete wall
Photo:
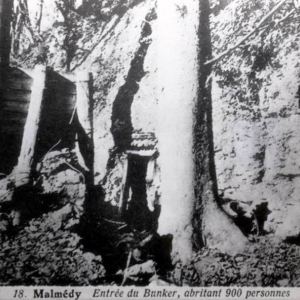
column 13, row 113
column 57, row 109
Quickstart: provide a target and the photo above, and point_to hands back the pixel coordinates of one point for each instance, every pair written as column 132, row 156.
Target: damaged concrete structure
column 42, row 110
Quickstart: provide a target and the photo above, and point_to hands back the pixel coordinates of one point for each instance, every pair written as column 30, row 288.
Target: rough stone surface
column 256, row 112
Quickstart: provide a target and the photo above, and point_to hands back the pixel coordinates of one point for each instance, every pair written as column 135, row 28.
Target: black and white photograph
column 150, row 145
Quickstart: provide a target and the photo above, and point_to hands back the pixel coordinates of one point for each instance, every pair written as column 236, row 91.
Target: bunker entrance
column 137, row 213
column 137, row 202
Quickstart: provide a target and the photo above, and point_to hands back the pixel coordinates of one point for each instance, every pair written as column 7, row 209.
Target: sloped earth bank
column 58, row 244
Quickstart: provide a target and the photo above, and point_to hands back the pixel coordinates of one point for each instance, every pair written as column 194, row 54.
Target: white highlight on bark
column 26, row 157
column 177, row 81
column 149, row 182
column 122, row 194
column 84, row 101
column 84, row 109
column 79, row 155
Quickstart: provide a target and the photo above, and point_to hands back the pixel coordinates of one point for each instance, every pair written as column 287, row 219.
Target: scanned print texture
column 149, row 143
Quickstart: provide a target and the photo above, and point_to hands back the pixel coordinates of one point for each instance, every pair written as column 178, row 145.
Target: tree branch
column 40, row 16
column 285, row 17
column 248, row 35
column 23, row 20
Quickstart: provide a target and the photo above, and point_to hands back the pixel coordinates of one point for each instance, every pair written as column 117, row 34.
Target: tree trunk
column 1, row 4
column 6, row 9
column 189, row 209
column 177, row 81
column 212, row 226
column 5, row 36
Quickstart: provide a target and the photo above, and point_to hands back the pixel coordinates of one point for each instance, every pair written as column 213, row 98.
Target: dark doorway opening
column 136, row 212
